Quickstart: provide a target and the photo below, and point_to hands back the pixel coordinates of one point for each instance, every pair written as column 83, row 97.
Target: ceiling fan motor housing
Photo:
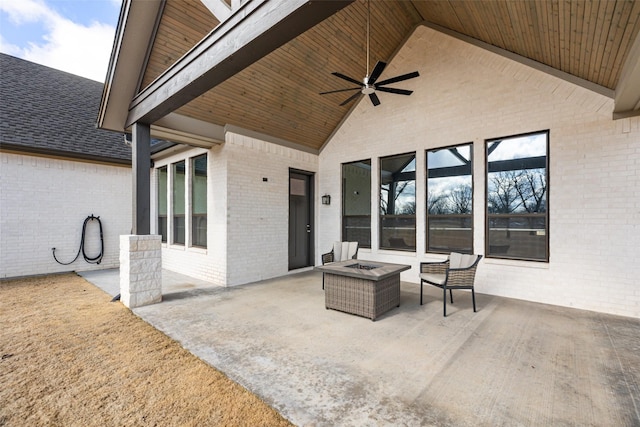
column 368, row 89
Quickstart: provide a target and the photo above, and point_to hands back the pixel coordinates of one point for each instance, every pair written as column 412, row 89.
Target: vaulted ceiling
column 596, row 43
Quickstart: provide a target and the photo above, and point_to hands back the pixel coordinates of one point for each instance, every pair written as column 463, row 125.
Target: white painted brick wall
column 210, row 263
column 258, row 212
column 247, row 217
column 466, row 94
column 43, row 204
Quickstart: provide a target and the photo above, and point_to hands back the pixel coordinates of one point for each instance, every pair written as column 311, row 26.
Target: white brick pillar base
column 140, row 270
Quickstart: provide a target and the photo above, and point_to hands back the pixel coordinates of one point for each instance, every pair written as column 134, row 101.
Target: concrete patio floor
column 512, row 363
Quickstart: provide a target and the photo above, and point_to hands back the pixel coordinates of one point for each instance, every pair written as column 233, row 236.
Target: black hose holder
column 91, row 260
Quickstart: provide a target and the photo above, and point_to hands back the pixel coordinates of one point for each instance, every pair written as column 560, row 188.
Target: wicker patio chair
column 457, row 272
column 341, row 251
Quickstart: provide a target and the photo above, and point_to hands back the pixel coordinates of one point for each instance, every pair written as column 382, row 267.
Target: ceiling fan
column 370, row 84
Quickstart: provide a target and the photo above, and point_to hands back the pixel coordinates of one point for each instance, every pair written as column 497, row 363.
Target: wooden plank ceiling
column 278, row 95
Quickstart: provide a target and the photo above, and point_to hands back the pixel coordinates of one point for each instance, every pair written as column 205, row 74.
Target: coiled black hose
column 90, row 260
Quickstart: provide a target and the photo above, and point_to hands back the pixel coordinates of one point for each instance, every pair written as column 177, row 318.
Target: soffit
column 278, row 95
column 183, row 24
column 588, row 39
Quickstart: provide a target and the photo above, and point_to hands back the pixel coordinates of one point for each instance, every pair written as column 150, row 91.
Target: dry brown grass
column 69, row 357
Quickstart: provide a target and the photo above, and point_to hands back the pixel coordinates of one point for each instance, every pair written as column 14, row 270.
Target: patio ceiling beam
column 187, row 130
column 627, row 98
column 254, row 30
column 219, row 8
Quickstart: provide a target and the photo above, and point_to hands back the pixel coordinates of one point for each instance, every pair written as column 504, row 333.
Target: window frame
column 471, row 215
column 173, row 199
column 344, row 235
column 162, row 226
column 408, row 248
column 192, row 188
column 488, row 216
column 184, row 200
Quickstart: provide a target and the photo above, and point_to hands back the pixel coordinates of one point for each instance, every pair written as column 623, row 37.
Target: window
column 178, row 205
column 398, row 202
column 162, row 203
column 356, row 203
column 450, row 199
column 182, row 202
column 517, row 193
column 199, row 201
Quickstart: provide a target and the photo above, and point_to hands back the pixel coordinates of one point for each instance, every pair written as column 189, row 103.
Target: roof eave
column 63, row 154
column 134, row 35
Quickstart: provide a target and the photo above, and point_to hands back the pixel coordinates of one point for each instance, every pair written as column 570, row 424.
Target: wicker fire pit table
column 363, row 288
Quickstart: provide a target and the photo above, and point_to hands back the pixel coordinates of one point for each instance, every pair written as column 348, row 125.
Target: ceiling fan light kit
column 369, row 85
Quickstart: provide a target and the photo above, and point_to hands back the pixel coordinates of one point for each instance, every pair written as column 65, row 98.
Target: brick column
column 140, row 270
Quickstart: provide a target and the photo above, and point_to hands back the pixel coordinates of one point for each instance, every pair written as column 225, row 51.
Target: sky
column 75, row 36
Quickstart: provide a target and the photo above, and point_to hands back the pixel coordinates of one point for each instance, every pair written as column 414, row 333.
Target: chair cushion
column 468, row 260
column 337, row 251
column 433, row 278
column 343, row 251
column 457, row 260
column 351, row 251
column 454, row 260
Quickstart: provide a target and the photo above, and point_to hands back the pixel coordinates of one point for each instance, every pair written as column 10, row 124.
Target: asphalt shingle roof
column 47, row 111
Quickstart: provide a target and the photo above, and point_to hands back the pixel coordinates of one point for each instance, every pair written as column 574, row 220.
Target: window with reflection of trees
column 398, row 202
column 450, row 199
column 517, row 197
column 356, row 203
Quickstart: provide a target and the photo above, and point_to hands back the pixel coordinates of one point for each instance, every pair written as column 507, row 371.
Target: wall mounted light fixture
column 326, row 199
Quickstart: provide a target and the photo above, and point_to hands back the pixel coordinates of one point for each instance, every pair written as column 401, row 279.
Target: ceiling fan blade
column 347, row 78
column 377, row 70
column 374, row 99
column 340, row 90
column 351, row 98
column 394, row 90
column 399, row 78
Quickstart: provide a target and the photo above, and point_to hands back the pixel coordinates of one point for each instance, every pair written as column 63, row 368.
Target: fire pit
column 366, row 289
column 362, row 266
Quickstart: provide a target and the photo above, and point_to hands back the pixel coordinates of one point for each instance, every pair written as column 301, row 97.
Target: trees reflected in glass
column 517, row 197
column 398, row 202
column 450, row 199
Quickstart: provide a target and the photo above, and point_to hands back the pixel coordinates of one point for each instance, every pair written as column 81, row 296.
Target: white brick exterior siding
column 464, row 94
column 207, row 264
column 43, row 204
column 247, row 218
column 467, row 94
column 258, row 211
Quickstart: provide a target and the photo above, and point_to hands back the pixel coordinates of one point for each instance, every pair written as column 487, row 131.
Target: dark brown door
column 300, row 220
